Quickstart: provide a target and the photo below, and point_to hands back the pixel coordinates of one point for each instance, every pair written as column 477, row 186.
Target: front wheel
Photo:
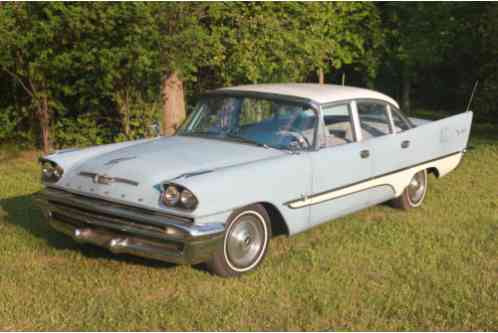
column 245, row 243
column 414, row 193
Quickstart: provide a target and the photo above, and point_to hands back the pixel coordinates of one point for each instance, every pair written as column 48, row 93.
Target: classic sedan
column 249, row 162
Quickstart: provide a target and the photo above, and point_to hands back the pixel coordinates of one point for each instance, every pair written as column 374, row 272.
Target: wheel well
column 434, row 171
column 278, row 225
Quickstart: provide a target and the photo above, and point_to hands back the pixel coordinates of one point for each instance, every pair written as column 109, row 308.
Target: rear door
column 407, row 146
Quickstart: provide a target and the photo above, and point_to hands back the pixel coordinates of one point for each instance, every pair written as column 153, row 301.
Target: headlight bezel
column 51, row 172
column 182, row 192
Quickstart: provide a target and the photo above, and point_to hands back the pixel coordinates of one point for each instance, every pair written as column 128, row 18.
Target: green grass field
column 432, row 268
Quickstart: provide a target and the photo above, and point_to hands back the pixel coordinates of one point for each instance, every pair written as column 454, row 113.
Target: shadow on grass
column 22, row 212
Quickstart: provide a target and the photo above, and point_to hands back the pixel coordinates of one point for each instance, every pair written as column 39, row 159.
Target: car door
column 339, row 163
column 408, row 146
column 404, row 146
column 393, row 141
column 376, row 128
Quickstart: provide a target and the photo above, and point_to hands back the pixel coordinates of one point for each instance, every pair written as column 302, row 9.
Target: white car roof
column 320, row 93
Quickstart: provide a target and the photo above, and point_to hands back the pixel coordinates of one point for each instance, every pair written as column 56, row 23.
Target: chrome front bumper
column 126, row 229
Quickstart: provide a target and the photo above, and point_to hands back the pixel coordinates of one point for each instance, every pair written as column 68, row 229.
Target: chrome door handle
column 365, row 153
column 405, row 144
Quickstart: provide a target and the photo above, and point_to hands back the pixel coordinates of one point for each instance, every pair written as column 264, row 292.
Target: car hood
column 139, row 170
column 171, row 157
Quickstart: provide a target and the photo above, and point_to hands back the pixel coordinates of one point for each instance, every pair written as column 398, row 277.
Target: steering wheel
column 299, row 137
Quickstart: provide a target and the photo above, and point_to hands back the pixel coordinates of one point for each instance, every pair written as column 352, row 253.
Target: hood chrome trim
column 106, row 180
column 192, row 174
column 120, row 159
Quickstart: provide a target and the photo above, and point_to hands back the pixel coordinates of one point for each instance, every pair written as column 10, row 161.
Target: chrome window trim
column 402, row 117
column 391, row 121
column 356, row 121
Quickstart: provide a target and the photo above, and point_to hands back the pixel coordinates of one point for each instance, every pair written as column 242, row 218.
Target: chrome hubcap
column 245, row 241
column 416, row 188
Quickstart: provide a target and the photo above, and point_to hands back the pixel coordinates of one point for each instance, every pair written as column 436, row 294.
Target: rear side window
column 374, row 119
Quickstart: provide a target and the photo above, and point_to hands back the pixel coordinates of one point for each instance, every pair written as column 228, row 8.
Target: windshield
column 259, row 121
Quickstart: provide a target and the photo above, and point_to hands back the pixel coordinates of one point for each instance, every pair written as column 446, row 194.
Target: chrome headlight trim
column 51, row 171
column 177, row 196
column 171, row 195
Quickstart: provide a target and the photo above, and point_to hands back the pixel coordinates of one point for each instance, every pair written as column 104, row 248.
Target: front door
column 339, row 164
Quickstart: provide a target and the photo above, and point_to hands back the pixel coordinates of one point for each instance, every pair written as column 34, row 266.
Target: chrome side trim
column 390, row 179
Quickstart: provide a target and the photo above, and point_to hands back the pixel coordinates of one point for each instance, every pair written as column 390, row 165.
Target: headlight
column 188, row 199
column 171, row 195
column 178, row 197
column 51, row 172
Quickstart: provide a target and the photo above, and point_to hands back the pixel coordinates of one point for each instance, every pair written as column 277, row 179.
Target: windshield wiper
column 245, row 140
column 200, row 133
column 232, row 136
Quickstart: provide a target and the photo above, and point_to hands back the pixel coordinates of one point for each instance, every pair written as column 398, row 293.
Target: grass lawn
column 432, row 268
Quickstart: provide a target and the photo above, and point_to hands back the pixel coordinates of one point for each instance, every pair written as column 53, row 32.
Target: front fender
column 273, row 181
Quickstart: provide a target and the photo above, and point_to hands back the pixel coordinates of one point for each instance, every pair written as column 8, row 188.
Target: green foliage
column 442, row 49
column 486, row 99
column 8, row 119
column 103, row 65
column 278, row 42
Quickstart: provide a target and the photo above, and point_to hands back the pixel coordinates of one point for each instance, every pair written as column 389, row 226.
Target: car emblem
column 106, row 180
column 102, row 179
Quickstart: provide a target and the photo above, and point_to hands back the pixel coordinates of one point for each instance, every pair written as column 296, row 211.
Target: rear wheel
column 245, row 243
column 414, row 193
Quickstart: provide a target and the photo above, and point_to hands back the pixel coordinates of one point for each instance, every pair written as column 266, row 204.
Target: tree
column 116, row 46
column 185, row 44
column 30, row 47
column 418, row 36
column 98, row 69
column 279, row 42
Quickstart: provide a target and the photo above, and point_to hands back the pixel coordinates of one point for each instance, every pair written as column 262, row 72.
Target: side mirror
column 155, row 129
column 294, row 147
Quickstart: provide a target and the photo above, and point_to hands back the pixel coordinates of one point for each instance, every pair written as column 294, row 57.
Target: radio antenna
column 472, row 95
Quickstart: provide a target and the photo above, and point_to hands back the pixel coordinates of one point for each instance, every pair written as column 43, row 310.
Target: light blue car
column 249, row 162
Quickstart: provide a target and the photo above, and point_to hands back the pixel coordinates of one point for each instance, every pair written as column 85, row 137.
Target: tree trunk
column 173, row 103
column 321, row 76
column 125, row 114
column 405, row 89
column 44, row 118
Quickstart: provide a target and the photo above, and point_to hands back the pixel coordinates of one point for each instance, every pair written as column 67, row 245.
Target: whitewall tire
column 245, row 243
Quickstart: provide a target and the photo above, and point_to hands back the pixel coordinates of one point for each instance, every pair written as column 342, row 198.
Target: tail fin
column 472, row 96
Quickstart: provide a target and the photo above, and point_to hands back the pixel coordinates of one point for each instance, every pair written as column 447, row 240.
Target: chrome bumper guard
column 130, row 230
